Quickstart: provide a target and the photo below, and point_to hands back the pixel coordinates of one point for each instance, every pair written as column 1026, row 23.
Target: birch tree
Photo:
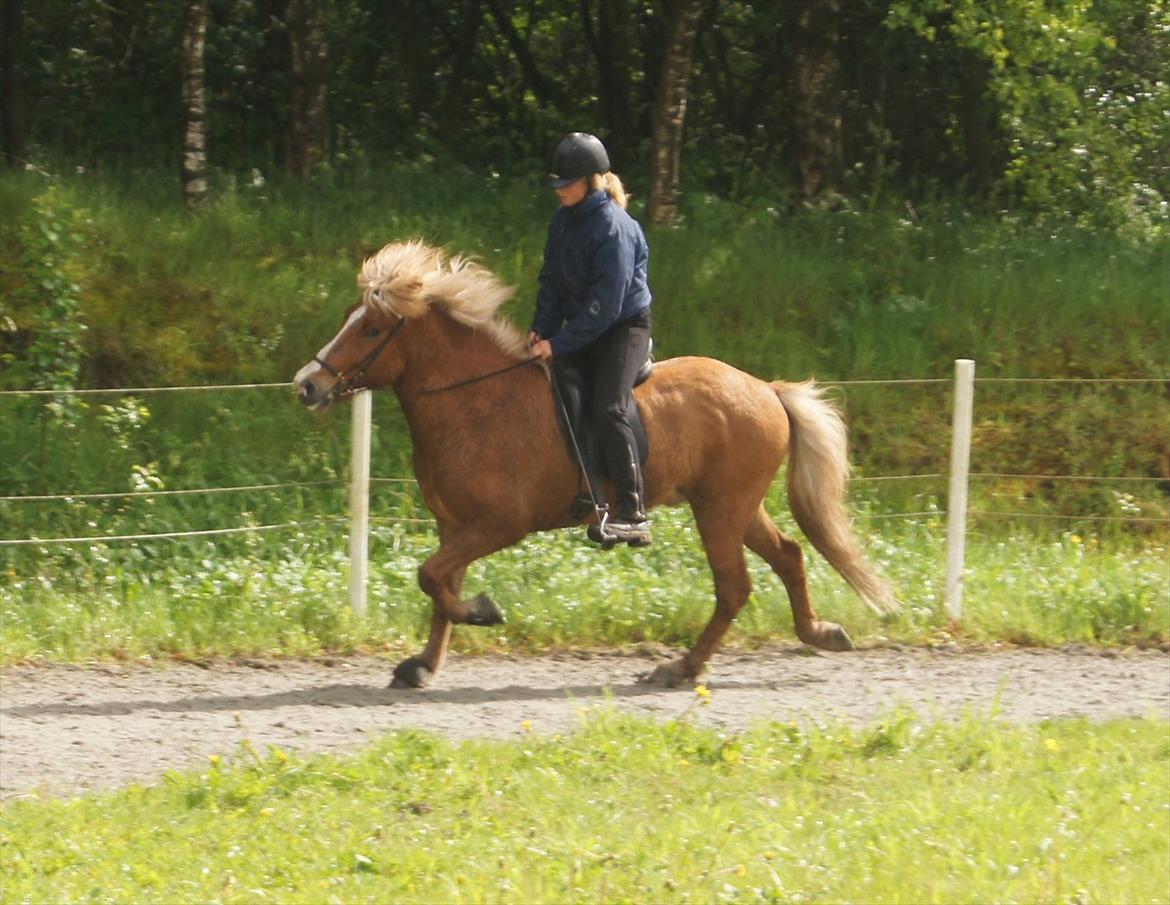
column 194, row 168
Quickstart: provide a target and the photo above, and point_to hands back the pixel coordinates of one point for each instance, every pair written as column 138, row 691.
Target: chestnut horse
column 493, row 467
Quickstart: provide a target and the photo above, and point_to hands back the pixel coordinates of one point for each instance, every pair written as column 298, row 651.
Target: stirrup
column 610, row 534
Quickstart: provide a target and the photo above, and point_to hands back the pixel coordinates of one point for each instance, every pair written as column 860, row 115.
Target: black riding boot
column 614, row 360
column 629, row 524
column 631, row 529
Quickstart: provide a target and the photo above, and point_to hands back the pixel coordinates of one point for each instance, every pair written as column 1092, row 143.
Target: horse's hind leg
column 723, row 539
column 784, row 555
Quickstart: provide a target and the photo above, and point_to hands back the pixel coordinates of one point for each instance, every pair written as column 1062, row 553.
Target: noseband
column 344, row 384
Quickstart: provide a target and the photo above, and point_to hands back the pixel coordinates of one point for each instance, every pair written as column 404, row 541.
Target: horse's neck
column 442, row 354
column 445, row 352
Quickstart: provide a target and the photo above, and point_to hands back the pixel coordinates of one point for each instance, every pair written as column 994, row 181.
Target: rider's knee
column 610, row 413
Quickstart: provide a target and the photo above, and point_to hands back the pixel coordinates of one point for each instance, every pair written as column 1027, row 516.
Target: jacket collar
column 589, row 203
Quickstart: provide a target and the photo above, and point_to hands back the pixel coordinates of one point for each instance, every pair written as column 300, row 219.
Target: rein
column 470, row 380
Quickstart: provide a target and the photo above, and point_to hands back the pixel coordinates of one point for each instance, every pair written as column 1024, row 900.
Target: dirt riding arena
column 68, row 729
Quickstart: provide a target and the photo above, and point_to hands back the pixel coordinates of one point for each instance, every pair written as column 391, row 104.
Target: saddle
column 568, row 384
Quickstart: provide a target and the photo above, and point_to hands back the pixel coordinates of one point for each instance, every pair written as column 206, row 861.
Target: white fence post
column 359, row 501
column 957, row 497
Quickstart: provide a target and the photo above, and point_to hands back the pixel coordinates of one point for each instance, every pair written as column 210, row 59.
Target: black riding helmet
column 578, row 155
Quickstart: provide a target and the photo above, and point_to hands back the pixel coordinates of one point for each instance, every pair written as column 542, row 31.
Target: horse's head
column 361, row 355
column 400, row 285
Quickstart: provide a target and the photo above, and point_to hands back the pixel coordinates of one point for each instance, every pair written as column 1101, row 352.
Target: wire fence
column 337, row 483
column 137, row 391
column 147, row 494
column 170, row 535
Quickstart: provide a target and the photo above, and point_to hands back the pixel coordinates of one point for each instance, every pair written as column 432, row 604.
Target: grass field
column 633, row 811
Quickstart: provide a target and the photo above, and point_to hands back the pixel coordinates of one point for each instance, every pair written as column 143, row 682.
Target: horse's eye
column 370, row 332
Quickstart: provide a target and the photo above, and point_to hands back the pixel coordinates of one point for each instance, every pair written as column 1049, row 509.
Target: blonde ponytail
column 613, row 187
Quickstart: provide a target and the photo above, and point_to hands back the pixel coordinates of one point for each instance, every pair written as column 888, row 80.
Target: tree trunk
column 460, row 27
column 609, row 40
column 310, row 69
column 194, row 169
column 10, row 112
column 670, row 112
column 816, row 87
column 973, row 118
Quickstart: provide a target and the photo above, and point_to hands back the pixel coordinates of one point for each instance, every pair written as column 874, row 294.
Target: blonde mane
column 405, row 278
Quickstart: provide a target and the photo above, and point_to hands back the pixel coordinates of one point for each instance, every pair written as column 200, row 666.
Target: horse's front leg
column 441, row 577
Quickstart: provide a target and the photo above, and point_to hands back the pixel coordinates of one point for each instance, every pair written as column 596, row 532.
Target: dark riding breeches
column 609, row 365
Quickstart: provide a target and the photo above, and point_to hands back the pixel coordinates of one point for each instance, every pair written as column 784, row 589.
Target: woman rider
column 593, row 310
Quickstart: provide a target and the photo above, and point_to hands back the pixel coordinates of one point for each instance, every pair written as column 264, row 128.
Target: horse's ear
column 407, row 294
column 405, row 288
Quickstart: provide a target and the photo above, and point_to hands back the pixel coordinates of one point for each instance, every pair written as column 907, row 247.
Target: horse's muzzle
column 314, row 387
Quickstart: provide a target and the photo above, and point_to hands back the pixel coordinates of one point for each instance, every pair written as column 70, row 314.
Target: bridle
column 345, row 384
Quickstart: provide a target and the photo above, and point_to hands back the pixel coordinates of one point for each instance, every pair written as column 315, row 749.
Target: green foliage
column 1079, row 109
column 46, row 304
column 630, row 810
column 101, row 79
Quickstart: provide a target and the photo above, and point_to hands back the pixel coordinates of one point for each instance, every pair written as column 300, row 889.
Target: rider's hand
column 542, row 350
column 533, row 338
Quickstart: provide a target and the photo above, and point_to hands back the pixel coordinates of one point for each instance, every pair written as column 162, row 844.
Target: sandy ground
column 69, row 729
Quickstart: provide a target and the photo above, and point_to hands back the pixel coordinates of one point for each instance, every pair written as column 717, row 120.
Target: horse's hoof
column 831, row 636
column 482, row 610
column 412, row 672
column 669, row 675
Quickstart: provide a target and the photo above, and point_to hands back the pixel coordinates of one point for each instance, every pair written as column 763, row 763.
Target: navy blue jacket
column 594, row 273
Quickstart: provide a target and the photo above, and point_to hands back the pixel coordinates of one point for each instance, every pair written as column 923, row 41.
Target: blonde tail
column 818, row 472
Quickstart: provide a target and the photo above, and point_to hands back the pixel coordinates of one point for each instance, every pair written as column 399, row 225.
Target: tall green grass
column 633, row 811
column 845, row 294
column 286, row 593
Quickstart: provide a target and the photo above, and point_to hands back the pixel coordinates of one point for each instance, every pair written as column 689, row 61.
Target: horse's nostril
column 305, row 391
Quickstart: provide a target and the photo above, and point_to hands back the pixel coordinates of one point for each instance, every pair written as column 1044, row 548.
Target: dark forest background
column 1047, row 107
